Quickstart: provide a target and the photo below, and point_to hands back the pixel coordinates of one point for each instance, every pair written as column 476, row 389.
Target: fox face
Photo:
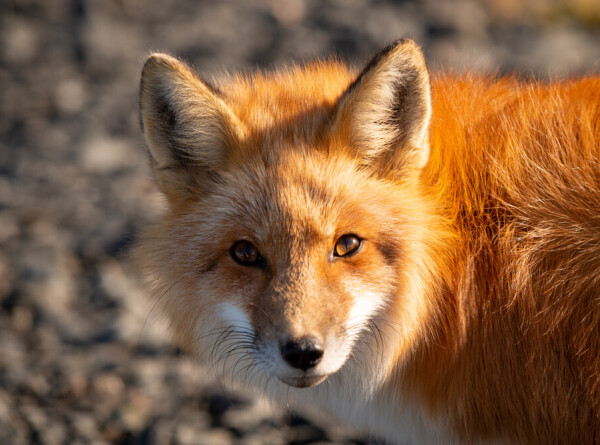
column 299, row 266
column 296, row 232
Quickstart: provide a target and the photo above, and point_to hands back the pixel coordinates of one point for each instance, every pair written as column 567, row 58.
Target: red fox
column 417, row 255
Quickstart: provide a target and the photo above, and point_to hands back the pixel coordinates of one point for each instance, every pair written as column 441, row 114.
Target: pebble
column 22, row 319
column 21, row 41
column 4, row 404
column 34, row 415
column 85, row 425
column 105, row 155
column 138, row 409
column 54, row 434
column 108, row 385
column 248, row 418
column 71, row 95
column 190, row 434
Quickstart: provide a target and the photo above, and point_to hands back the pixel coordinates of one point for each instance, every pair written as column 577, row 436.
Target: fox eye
column 246, row 254
column 346, row 245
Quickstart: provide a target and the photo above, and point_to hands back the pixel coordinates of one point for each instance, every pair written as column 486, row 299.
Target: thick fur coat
column 417, row 256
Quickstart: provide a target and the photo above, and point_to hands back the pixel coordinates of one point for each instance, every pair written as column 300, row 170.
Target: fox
column 414, row 254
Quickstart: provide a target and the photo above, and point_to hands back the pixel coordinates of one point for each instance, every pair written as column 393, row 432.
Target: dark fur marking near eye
column 211, row 266
column 389, row 250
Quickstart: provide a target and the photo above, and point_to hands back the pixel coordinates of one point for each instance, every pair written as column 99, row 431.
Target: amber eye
column 346, row 245
column 246, row 254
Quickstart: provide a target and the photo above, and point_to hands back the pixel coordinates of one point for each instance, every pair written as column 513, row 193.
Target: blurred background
column 81, row 360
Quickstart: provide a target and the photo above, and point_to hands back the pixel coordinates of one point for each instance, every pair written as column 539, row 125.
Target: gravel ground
column 82, row 359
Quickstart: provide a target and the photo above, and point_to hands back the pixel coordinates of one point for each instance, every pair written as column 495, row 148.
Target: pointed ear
column 384, row 115
column 188, row 127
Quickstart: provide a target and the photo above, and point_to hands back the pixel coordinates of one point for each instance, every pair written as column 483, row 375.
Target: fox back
column 417, row 256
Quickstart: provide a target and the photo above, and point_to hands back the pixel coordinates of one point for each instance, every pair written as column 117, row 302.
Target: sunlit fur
column 471, row 311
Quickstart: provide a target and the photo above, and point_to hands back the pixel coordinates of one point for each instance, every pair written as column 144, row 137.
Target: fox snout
column 297, row 356
column 295, row 350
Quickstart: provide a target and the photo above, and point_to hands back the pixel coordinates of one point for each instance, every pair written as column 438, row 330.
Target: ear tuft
column 187, row 125
column 385, row 112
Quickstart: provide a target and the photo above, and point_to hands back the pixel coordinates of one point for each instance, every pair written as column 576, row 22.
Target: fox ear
column 384, row 114
column 188, row 127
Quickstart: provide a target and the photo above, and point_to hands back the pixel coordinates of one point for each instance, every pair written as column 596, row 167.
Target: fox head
column 296, row 233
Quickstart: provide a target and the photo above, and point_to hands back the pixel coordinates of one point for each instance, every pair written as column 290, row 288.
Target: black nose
column 302, row 354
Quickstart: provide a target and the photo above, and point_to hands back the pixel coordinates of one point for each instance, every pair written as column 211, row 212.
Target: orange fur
column 515, row 165
column 479, row 265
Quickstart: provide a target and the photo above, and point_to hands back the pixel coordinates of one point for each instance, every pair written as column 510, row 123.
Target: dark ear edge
column 375, row 61
column 388, row 106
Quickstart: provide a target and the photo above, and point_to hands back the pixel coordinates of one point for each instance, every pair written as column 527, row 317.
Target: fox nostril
column 302, row 354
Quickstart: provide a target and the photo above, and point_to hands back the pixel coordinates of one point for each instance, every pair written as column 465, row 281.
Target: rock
column 108, row 386
column 190, row 434
column 104, row 155
column 85, row 426
column 34, row 415
column 71, row 95
column 54, row 434
column 21, row 41
column 22, row 319
column 249, row 418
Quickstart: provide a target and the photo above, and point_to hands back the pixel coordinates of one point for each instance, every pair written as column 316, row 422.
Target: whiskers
column 157, row 302
column 371, row 341
column 229, row 352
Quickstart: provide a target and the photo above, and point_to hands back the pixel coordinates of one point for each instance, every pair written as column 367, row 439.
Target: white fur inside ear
column 423, row 144
column 422, row 139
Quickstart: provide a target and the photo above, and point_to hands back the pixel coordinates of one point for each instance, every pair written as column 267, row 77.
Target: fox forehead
column 275, row 102
column 300, row 196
